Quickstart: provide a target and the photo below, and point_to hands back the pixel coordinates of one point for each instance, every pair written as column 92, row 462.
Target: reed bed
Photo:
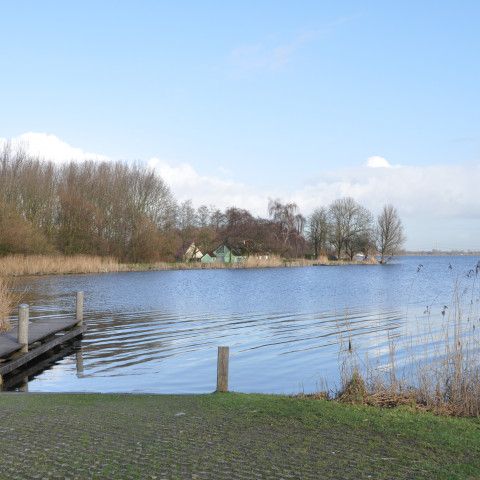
column 9, row 299
column 438, row 368
column 62, row 264
column 56, row 264
column 273, row 261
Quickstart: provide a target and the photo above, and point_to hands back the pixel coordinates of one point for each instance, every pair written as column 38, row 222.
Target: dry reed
column 9, row 299
column 273, row 261
column 439, row 369
column 56, row 264
column 61, row 264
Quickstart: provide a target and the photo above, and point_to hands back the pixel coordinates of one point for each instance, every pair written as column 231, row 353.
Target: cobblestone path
column 180, row 437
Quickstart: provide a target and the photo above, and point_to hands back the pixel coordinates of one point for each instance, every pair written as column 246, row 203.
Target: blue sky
column 237, row 102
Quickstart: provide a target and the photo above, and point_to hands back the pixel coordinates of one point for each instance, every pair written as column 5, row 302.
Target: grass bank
column 228, row 436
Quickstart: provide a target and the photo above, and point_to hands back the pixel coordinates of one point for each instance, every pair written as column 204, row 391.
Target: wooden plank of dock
column 40, row 329
column 8, row 346
column 12, row 365
column 37, row 331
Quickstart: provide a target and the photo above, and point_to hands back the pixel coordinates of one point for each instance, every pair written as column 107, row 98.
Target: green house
column 224, row 254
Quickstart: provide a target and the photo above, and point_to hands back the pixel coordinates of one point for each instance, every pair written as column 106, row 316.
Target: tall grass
column 59, row 264
column 273, row 261
column 55, row 264
column 438, row 368
column 9, row 299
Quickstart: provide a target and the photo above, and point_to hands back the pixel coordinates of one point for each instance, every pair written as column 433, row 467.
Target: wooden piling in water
column 79, row 309
column 222, row 369
column 23, row 326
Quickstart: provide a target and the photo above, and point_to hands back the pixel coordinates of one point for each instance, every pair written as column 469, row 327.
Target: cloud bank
column 439, row 205
column 187, row 184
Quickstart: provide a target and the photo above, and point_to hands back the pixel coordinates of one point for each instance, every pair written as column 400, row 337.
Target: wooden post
column 80, row 308
column 222, row 369
column 24, row 386
column 79, row 358
column 23, row 326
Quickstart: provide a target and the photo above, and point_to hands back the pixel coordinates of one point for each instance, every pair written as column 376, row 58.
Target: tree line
column 127, row 211
column 350, row 229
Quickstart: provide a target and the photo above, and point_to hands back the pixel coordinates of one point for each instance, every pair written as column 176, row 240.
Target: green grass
column 216, row 435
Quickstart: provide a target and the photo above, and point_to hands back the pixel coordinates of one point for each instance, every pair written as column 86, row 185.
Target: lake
column 158, row 332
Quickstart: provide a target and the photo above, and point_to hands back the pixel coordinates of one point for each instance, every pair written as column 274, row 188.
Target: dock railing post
column 79, row 312
column 222, row 369
column 23, row 326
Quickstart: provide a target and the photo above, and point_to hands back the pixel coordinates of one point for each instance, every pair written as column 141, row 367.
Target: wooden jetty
column 22, row 344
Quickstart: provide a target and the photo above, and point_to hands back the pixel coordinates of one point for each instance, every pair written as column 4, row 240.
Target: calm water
column 159, row 331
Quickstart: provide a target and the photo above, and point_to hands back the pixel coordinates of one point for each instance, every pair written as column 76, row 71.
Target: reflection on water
column 159, row 331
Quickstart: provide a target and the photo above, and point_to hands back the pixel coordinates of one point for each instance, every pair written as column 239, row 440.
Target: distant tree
column 100, row 208
column 289, row 225
column 217, row 219
column 389, row 233
column 206, row 233
column 362, row 240
column 361, row 243
column 186, row 224
column 17, row 235
column 348, row 221
column 239, row 225
column 317, row 229
column 203, row 216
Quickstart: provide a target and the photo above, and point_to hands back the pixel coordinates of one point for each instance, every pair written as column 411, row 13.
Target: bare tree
column 362, row 238
column 238, row 225
column 203, row 216
column 317, row 229
column 217, row 219
column 389, row 233
column 361, row 243
column 206, row 233
column 289, row 223
column 186, row 222
column 347, row 222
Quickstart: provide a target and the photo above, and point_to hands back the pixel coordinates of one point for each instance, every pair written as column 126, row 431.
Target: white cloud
column 50, row 147
column 434, row 191
column 186, row 183
column 377, row 162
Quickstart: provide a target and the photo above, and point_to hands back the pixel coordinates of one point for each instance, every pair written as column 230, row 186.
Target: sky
column 234, row 103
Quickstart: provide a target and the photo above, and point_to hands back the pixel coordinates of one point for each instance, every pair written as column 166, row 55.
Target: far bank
column 16, row 265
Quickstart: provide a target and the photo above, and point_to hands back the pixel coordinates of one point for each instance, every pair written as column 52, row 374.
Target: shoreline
column 37, row 265
column 184, row 267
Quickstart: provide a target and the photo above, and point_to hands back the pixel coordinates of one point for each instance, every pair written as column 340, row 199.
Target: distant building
column 224, row 254
column 192, row 254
